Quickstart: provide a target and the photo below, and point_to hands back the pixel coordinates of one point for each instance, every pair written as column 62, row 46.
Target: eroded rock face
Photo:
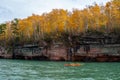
column 57, row 53
column 2, row 50
column 62, row 53
column 4, row 54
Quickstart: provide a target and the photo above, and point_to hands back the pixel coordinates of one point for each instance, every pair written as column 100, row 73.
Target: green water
column 41, row 70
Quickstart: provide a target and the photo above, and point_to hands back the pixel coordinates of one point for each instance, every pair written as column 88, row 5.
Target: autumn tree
column 2, row 33
column 63, row 25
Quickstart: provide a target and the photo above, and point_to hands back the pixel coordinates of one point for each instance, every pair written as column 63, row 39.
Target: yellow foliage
column 77, row 21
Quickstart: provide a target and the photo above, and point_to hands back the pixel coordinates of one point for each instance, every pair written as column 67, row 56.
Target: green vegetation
column 62, row 25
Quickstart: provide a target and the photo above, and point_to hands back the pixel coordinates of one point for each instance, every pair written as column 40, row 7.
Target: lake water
column 43, row 70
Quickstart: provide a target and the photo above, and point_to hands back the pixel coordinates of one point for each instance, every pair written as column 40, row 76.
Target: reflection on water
column 42, row 70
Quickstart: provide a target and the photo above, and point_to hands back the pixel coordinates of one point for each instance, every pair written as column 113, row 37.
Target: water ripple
column 41, row 70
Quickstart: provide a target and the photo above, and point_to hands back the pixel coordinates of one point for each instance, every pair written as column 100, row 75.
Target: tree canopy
column 91, row 20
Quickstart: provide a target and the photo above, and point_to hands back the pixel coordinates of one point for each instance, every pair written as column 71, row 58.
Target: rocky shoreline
column 81, row 58
column 106, row 53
